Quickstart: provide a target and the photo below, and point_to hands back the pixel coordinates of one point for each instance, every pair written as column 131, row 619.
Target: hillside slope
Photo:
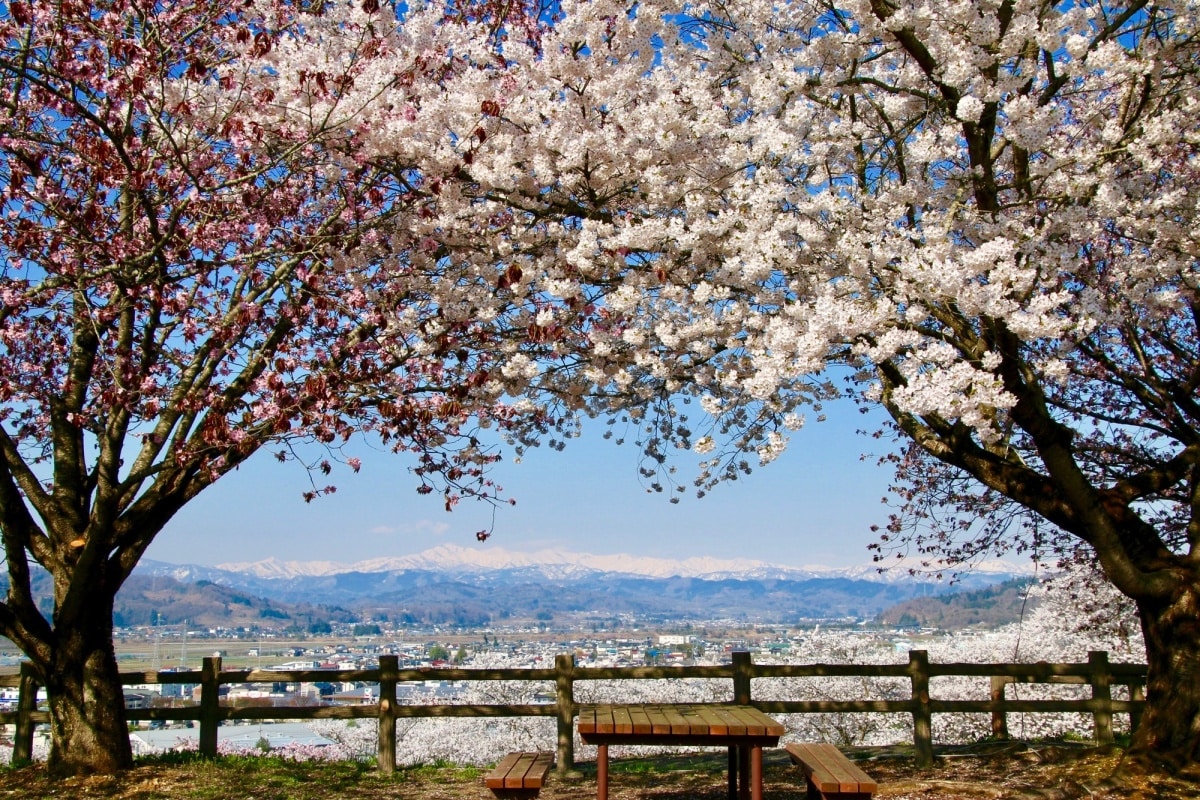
column 988, row 607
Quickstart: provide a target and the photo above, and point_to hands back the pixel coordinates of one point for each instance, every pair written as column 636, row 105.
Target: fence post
column 1137, row 692
column 564, row 699
column 918, row 671
column 999, row 715
column 210, row 702
column 741, row 677
column 385, row 751
column 26, row 704
column 1101, row 680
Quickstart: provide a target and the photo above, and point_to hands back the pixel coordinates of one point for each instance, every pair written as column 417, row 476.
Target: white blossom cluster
column 723, row 199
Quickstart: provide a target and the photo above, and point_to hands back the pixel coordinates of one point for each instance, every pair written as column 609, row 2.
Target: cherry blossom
column 186, row 283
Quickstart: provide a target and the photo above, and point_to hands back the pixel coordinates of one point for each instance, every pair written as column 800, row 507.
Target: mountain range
column 457, row 585
column 563, row 563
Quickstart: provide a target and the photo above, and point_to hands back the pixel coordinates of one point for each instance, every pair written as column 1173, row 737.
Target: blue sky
column 813, row 506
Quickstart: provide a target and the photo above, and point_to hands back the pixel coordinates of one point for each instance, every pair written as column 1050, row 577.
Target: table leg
column 744, row 773
column 733, row 772
column 602, row 772
column 756, row 792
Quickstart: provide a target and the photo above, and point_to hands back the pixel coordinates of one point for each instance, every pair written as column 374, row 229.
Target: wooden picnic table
column 743, row 729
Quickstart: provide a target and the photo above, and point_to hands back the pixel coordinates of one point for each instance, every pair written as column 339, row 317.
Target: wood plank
column 768, row 725
column 693, row 715
column 539, row 767
column 495, row 779
column 830, row 774
column 679, row 725
column 515, row 779
column 717, row 725
column 520, row 771
column 659, row 722
column 622, row 721
column 757, row 723
column 829, row 769
column 641, row 721
column 733, row 720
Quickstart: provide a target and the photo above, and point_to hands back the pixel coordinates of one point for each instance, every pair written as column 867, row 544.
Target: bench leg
column 733, row 772
column 602, row 772
column 756, row 792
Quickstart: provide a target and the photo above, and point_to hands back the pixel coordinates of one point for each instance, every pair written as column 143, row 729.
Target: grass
column 988, row 771
column 188, row 776
column 441, row 770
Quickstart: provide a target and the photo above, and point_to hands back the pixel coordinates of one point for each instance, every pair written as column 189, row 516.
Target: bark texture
column 89, row 733
column 1169, row 734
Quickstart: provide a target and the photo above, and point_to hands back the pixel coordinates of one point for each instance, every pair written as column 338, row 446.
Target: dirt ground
column 1013, row 771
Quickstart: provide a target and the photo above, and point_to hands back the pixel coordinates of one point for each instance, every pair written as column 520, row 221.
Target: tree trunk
column 89, row 733
column 1169, row 734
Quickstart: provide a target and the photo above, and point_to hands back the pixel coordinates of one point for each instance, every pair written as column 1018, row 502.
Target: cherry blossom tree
column 990, row 219
column 982, row 212
column 182, row 287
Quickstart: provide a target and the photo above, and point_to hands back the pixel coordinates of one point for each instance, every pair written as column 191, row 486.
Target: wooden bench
column 830, row 774
column 519, row 776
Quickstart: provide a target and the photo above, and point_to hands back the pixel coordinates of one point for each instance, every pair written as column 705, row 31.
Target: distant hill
column 988, row 607
column 162, row 600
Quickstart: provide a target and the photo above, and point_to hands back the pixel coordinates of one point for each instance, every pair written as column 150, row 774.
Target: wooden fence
column 1097, row 672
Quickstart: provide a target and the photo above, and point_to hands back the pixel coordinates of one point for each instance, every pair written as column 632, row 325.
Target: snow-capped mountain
column 558, row 563
column 552, row 562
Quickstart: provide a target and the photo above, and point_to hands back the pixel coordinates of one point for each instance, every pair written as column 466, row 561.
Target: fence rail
column 1097, row 672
